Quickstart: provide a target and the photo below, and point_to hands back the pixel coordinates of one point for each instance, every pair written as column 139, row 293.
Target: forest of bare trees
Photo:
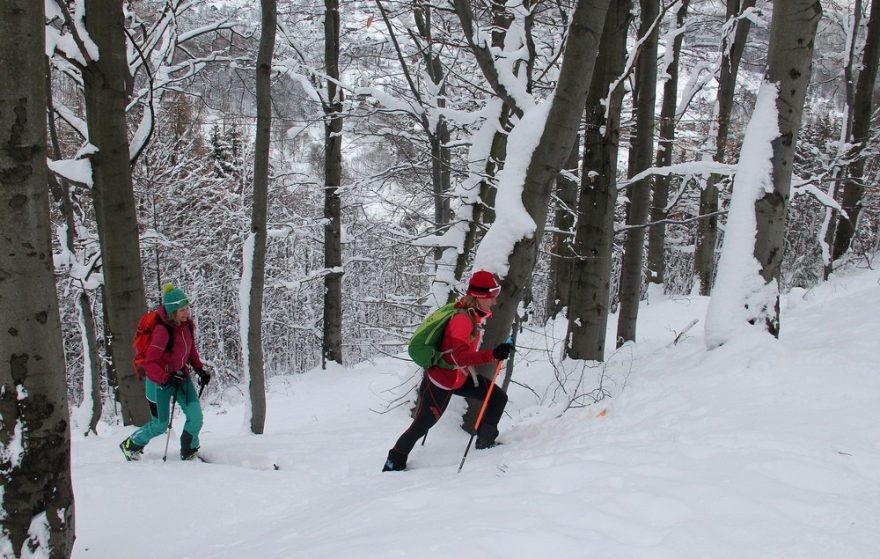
column 318, row 175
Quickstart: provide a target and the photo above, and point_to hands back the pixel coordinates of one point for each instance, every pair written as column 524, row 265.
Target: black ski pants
column 433, row 401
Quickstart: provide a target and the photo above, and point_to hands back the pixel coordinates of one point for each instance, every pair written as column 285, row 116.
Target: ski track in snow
column 759, row 448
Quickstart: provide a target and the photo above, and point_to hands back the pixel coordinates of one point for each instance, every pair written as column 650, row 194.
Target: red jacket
column 463, row 342
column 158, row 364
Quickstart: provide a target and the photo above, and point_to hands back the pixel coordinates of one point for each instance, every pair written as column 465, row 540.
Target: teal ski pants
column 159, row 398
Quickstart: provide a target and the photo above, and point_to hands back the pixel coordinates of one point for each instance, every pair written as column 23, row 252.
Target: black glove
column 177, row 379
column 502, row 351
column 204, row 376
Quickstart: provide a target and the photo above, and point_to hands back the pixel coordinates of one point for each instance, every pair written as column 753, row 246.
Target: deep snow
column 759, row 448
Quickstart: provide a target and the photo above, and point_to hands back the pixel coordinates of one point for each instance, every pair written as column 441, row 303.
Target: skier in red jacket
column 460, row 342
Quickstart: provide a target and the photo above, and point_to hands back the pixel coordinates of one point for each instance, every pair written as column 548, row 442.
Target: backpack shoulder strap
column 169, row 328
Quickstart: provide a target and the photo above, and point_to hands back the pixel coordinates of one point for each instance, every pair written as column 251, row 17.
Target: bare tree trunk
column 438, row 133
column 707, row 228
column 550, row 155
column 792, row 35
column 562, row 250
column 854, row 187
column 106, row 85
column 91, row 360
column 36, row 498
column 332, row 343
column 829, row 223
column 641, row 156
column 254, row 347
column 591, row 286
column 657, row 233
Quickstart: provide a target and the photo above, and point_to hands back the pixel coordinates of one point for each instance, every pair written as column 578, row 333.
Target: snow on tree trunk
column 746, row 293
column 741, row 297
column 36, row 497
column 538, row 147
column 733, row 42
column 245, row 289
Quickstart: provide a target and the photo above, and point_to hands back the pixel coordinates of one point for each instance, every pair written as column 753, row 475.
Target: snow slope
column 759, row 448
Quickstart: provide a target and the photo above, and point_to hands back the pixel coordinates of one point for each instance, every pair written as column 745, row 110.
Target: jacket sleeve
column 154, row 364
column 194, row 359
column 457, row 338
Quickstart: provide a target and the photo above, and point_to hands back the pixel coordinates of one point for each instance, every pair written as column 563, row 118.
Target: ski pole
column 480, row 416
column 170, row 420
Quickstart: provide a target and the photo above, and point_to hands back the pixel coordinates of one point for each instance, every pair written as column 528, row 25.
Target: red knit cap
column 483, row 285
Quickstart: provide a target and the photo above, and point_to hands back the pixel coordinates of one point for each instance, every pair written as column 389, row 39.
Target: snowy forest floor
column 759, row 448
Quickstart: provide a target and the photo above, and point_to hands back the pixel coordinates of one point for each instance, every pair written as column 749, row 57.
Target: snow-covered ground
column 759, row 448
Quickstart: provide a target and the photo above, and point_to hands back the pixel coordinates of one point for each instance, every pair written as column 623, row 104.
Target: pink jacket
column 158, row 364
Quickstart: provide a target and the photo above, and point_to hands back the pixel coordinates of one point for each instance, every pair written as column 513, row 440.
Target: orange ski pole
column 480, row 416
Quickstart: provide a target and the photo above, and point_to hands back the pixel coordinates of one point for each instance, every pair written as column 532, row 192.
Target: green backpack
column 424, row 345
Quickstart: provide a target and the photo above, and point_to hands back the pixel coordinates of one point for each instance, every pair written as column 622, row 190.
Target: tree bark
column 790, row 59
column 594, row 237
column 657, row 233
column 549, row 156
column 641, row 156
column 256, row 373
column 332, row 342
column 438, row 134
column 106, row 85
column 854, row 187
column 91, row 360
column 562, row 248
column 36, row 499
column 707, row 228
column 829, row 223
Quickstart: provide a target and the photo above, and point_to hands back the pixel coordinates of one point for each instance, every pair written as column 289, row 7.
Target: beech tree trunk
column 438, row 132
column 562, row 249
column 641, row 157
column 790, row 60
column 829, row 224
column 106, row 83
column 36, row 497
column 591, row 285
column 91, row 359
column 254, row 347
column 332, row 343
column 548, row 159
column 657, row 232
column 854, row 187
column 707, row 228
